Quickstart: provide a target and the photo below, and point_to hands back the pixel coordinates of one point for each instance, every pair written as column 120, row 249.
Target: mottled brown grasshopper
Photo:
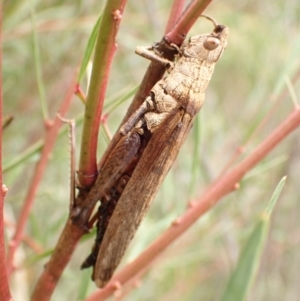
column 151, row 139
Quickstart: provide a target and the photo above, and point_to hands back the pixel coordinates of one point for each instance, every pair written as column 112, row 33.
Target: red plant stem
column 189, row 17
column 4, row 287
column 176, row 12
column 217, row 190
column 104, row 52
column 50, row 138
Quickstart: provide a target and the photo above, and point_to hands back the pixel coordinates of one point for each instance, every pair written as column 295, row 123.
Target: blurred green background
column 259, row 63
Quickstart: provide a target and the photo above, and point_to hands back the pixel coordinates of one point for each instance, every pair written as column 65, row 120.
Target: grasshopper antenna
column 71, row 123
column 210, row 19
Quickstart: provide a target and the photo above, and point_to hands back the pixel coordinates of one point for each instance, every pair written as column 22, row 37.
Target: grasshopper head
column 208, row 47
column 216, row 38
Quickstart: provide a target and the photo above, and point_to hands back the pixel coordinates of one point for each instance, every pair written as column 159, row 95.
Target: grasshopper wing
column 140, row 191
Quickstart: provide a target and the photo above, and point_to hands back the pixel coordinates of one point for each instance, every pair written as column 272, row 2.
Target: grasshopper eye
column 211, row 43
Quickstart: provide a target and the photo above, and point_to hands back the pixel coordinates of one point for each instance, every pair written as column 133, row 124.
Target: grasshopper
column 150, row 141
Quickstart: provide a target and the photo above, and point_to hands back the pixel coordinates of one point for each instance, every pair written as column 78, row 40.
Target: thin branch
column 50, row 138
column 104, row 51
column 189, row 17
column 71, row 123
column 4, row 287
column 224, row 185
column 60, row 257
column 176, row 12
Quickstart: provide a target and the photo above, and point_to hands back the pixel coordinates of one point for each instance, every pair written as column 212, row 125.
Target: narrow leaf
column 243, row 277
column 89, row 49
column 38, row 69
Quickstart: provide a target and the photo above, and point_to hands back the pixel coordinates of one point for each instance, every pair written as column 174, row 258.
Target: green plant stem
column 104, row 51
